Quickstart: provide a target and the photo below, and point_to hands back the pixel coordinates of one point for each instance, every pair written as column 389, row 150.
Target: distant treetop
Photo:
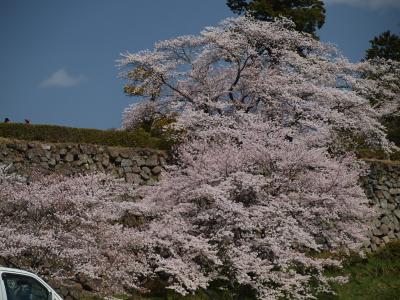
column 308, row 15
column 386, row 45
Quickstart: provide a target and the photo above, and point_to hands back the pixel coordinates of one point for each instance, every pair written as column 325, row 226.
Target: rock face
column 382, row 187
column 137, row 166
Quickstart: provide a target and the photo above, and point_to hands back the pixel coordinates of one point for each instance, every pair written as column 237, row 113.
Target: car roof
column 19, row 271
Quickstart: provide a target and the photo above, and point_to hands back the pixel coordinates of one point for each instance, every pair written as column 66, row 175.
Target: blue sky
column 57, row 57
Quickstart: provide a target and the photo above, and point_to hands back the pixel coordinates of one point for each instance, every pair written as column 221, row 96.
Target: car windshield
column 21, row 287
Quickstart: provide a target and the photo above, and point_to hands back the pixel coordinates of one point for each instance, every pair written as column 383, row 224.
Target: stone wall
column 144, row 166
column 382, row 187
column 138, row 166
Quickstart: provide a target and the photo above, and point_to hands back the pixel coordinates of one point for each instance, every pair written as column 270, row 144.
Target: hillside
column 61, row 134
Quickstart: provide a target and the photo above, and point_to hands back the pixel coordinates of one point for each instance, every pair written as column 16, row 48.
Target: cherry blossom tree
column 382, row 86
column 246, row 204
column 254, row 66
column 264, row 174
column 138, row 114
column 69, row 227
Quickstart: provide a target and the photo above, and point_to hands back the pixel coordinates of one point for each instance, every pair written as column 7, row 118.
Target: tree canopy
column 386, row 45
column 308, row 15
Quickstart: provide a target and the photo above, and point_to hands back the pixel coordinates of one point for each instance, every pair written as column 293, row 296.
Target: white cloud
column 61, row 78
column 372, row 4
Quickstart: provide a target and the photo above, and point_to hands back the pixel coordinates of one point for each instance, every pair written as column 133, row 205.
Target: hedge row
column 138, row 138
column 61, row 134
column 365, row 153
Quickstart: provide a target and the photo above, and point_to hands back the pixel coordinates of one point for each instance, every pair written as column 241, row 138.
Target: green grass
column 61, row 134
column 393, row 126
column 377, row 277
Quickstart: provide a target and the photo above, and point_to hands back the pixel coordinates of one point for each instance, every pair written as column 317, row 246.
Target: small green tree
column 386, row 45
column 308, row 15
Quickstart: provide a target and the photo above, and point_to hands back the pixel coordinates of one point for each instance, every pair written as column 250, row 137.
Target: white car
column 21, row 285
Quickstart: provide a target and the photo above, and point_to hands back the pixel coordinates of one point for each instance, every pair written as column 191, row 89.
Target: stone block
column 69, row 157
column 140, row 161
column 152, row 161
column 156, row 170
column 46, row 147
column 146, row 170
column 113, row 153
column 394, row 191
column 126, row 163
column 144, row 175
column 384, row 229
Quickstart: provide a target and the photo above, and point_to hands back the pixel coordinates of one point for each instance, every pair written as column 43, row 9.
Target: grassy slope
column 376, row 277
column 61, row 134
column 138, row 138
